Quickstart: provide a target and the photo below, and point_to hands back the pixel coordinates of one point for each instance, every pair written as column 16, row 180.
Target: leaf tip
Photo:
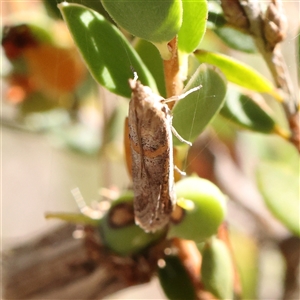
column 63, row 4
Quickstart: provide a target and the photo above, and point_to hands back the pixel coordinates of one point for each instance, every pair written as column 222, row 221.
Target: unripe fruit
column 120, row 233
column 201, row 209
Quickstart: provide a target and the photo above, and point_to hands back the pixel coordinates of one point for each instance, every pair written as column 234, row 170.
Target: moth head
column 144, row 97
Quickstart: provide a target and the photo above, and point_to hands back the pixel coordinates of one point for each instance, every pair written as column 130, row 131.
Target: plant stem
column 59, row 266
column 267, row 42
column 276, row 64
column 173, row 81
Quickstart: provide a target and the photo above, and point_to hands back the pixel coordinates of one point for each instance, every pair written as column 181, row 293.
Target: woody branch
column 268, row 30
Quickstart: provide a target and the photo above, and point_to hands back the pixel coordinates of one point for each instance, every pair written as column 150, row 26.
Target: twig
column 268, row 30
column 290, row 249
column 268, row 46
column 173, row 80
column 58, row 266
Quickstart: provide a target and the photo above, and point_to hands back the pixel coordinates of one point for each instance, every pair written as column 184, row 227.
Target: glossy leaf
column 152, row 20
column 193, row 113
column 152, row 59
column 52, row 9
column 175, row 280
column 238, row 72
column 279, row 185
column 230, row 36
column 244, row 111
column 236, row 39
column 107, row 53
column 193, row 25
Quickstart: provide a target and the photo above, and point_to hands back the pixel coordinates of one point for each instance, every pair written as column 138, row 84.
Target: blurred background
column 51, row 126
column 57, row 135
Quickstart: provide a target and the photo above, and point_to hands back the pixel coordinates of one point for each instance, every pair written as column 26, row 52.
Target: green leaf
column 238, row 72
column 152, row 59
column 53, row 10
column 106, row 52
column 193, row 25
column 215, row 15
column 244, row 111
column 193, row 113
column 74, row 218
column 279, row 185
column 232, row 37
column 217, row 269
column 236, row 39
column 152, row 20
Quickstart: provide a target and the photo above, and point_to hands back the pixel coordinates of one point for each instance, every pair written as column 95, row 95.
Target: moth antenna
column 182, row 173
column 135, row 75
column 79, row 199
column 179, row 97
column 83, row 207
column 181, row 139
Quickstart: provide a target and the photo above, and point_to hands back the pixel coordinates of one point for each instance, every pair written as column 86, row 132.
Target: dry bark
column 59, row 266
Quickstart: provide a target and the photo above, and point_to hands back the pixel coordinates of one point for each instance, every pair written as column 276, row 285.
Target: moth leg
column 179, row 97
column 182, row 173
column 181, row 139
column 135, row 76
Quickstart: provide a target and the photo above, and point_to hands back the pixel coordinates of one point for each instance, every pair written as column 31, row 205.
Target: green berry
column 201, row 209
column 119, row 231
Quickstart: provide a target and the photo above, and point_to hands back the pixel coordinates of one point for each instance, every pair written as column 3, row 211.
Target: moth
column 151, row 145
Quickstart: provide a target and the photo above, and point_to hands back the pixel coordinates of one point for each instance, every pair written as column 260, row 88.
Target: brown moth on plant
column 151, row 146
